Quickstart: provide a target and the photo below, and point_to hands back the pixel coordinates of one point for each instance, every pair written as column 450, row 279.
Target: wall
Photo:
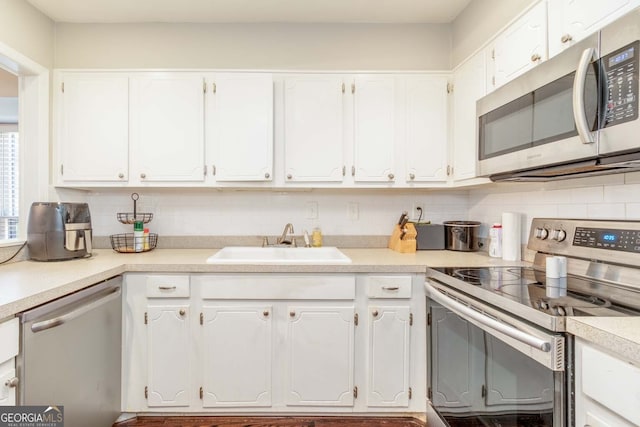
column 27, row 30
column 254, row 46
column 259, row 213
column 8, row 84
column 480, row 21
column 608, row 197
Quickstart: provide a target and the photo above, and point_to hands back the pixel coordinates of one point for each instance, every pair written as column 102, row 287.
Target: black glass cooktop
column 573, row 296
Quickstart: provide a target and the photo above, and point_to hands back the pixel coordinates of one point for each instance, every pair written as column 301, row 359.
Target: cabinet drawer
column 9, row 339
column 168, row 286
column 389, row 286
column 611, row 382
column 276, row 286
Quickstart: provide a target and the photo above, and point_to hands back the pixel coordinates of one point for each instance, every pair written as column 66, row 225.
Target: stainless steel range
column 499, row 354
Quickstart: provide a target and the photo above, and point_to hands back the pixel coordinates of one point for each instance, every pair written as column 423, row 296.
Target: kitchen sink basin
column 278, row 255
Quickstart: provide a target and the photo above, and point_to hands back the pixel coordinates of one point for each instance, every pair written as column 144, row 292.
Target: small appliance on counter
column 430, row 236
column 59, row 231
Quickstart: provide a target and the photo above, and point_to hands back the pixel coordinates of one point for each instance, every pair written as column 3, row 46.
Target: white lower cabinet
column 9, row 347
column 273, row 343
column 607, row 388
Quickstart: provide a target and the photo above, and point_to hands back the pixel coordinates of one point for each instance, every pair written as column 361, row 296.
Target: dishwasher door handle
column 83, row 308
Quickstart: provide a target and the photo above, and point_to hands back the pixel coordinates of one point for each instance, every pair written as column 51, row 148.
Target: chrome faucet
column 287, row 237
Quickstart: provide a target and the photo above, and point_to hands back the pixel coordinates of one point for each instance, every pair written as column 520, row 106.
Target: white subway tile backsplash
column 633, row 211
column 606, row 211
column 622, row 193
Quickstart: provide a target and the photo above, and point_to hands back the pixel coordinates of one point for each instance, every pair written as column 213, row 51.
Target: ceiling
column 252, row 11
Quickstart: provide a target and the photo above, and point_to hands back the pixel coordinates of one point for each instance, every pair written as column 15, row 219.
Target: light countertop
column 620, row 335
column 27, row 284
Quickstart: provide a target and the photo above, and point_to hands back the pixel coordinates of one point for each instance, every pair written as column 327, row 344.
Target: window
column 9, row 179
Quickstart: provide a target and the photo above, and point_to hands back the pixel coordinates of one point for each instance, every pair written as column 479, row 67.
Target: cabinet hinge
column 201, row 393
column 204, row 87
column 353, row 171
column 205, row 170
column 355, row 319
column 410, row 319
column 493, row 54
column 429, row 393
column 449, row 87
column 146, row 392
column 429, row 319
column 62, row 169
column 62, row 87
column 146, row 318
column 213, row 170
column 410, row 392
column 344, row 170
column 493, row 80
column 483, row 391
column 202, row 318
column 343, row 88
column 213, row 87
column 448, row 170
column 353, row 87
column 355, row 392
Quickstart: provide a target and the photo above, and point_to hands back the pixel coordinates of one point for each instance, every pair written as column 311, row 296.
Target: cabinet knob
column 566, row 38
column 375, row 313
column 265, row 313
column 535, row 57
column 412, row 176
column 391, row 176
column 267, row 175
column 12, row 383
column 182, row 312
column 120, row 175
column 143, row 175
column 289, row 176
column 292, row 314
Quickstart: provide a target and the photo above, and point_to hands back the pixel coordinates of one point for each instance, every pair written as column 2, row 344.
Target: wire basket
column 135, row 216
column 128, row 243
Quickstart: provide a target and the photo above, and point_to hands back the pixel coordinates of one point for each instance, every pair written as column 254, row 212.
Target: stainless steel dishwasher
column 70, row 355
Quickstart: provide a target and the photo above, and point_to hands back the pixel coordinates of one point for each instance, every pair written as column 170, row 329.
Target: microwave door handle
column 579, row 82
column 471, row 314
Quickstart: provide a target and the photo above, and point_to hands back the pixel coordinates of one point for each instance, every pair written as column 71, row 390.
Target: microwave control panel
column 621, row 92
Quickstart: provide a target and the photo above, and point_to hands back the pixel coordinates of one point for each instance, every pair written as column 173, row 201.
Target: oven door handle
column 469, row 313
column 579, row 83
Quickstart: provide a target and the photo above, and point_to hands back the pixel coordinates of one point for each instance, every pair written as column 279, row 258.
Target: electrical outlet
column 312, row 210
column 353, row 211
column 418, row 211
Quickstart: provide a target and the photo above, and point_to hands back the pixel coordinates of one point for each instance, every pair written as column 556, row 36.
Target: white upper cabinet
column 521, row 46
column 572, row 20
column 425, row 128
column 239, row 126
column 167, row 127
column 93, row 127
column 374, row 128
column 469, row 86
column 313, row 128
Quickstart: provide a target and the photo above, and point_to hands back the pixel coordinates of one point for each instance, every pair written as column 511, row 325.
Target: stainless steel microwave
column 573, row 115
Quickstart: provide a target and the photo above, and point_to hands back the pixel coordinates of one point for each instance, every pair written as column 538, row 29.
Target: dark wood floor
column 271, row 422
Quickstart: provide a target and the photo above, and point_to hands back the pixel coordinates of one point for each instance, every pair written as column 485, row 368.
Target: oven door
column 490, row 369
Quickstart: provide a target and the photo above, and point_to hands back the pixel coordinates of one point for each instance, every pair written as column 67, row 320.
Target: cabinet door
column 572, row 20
column 388, row 356
column 236, row 344
column 168, row 356
column 458, row 361
column 7, row 374
column 469, row 86
column 320, row 356
column 506, row 388
column 94, row 135
column 521, row 46
column 240, row 126
column 374, row 129
column 313, row 128
column 167, row 128
column 426, row 133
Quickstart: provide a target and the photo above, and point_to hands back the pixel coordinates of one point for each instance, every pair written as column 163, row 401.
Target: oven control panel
column 605, row 238
column 601, row 240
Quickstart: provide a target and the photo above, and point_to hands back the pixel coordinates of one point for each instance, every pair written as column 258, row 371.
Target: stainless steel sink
column 278, row 255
